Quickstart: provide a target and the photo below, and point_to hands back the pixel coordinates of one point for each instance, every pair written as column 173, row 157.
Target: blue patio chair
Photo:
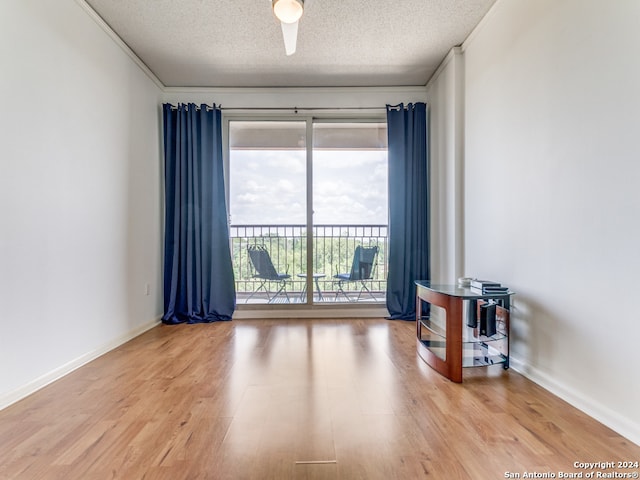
column 264, row 270
column 362, row 270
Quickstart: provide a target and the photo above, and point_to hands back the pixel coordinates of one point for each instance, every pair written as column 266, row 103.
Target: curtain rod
column 301, row 108
column 294, row 109
column 400, row 106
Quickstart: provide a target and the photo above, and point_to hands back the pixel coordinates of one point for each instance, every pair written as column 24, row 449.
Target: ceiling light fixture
column 288, row 12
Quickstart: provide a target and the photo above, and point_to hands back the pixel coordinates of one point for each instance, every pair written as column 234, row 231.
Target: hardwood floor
column 293, row 399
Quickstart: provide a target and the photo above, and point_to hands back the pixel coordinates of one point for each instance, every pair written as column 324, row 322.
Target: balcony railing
column 333, row 249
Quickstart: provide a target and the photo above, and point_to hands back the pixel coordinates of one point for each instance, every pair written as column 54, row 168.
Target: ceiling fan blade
column 290, row 35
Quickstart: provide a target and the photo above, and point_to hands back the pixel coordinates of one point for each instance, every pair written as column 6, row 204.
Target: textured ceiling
column 238, row 43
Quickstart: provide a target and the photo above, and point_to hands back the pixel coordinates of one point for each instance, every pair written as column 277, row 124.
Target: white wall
column 80, row 192
column 552, row 200
column 446, row 143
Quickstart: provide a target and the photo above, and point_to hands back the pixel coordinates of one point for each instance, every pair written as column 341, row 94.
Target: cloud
column 268, row 187
column 287, row 186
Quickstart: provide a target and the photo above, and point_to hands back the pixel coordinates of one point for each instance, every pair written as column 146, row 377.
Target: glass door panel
column 350, row 211
column 268, row 210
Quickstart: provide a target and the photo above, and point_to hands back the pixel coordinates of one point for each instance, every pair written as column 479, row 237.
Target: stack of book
column 487, row 287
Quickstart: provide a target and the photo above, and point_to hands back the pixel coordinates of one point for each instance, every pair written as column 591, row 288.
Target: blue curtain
column 198, row 275
column 408, row 207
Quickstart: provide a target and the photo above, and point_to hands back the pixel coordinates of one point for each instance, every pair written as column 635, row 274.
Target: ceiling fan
column 288, row 12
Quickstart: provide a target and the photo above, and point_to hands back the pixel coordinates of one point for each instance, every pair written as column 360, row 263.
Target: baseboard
column 44, row 380
column 602, row 413
column 372, row 311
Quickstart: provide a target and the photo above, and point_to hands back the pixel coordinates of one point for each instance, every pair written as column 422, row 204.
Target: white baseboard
column 321, row 311
column 59, row 372
column 616, row 422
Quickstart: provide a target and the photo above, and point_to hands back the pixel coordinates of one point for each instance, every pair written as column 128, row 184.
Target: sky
column 268, row 187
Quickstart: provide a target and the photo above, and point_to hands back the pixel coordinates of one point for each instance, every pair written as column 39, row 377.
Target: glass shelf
column 472, row 335
column 482, row 355
column 433, row 327
column 466, row 293
column 477, row 350
column 434, row 338
column 469, row 334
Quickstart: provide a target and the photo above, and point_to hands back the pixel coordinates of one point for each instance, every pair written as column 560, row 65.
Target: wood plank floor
column 292, row 399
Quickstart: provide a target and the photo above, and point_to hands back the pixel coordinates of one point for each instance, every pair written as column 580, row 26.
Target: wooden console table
column 447, row 342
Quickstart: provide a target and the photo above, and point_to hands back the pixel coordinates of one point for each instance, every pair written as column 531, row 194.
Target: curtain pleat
column 198, row 274
column 408, row 207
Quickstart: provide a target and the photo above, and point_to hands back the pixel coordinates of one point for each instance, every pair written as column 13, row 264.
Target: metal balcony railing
column 333, row 249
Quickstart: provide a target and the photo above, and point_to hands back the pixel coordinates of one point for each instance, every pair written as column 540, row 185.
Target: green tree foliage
column 288, row 252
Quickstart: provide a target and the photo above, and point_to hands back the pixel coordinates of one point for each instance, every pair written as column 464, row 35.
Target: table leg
column 318, row 288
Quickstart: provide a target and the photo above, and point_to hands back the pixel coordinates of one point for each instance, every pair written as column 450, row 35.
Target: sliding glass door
column 310, row 192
